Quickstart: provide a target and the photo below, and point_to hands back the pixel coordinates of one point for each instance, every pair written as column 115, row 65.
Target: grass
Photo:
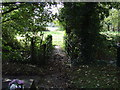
column 57, row 36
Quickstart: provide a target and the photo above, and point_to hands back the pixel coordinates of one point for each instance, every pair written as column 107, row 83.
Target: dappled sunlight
column 61, row 45
column 19, row 38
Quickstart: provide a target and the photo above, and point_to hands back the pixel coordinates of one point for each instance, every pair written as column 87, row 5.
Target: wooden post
column 44, row 53
column 32, row 50
column 118, row 55
column 33, row 86
column 42, row 56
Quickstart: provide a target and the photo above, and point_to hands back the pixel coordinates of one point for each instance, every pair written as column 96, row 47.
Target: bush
column 37, row 53
column 72, row 47
column 44, row 52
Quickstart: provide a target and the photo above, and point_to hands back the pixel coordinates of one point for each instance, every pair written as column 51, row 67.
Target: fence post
column 118, row 55
column 32, row 50
column 44, row 53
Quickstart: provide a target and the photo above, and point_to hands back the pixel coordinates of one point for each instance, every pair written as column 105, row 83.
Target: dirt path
column 53, row 75
column 57, row 77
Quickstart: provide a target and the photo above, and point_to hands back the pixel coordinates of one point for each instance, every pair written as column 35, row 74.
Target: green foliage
column 80, row 23
column 59, row 25
column 108, row 51
column 112, row 20
column 23, row 19
column 83, row 22
column 72, row 43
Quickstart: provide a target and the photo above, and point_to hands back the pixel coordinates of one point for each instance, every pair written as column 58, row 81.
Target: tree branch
column 8, row 3
column 7, row 20
column 12, row 9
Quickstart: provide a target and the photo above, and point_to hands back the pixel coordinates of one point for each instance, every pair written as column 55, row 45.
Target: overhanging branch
column 12, row 9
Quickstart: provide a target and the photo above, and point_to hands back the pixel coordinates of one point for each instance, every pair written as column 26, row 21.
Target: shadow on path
column 57, row 77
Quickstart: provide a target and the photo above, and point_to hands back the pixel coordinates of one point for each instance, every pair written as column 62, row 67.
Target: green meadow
column 57, row 37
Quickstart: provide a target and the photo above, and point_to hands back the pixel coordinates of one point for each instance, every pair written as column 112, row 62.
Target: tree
column 83, row 22
column 112, row 20
column 25, row 19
